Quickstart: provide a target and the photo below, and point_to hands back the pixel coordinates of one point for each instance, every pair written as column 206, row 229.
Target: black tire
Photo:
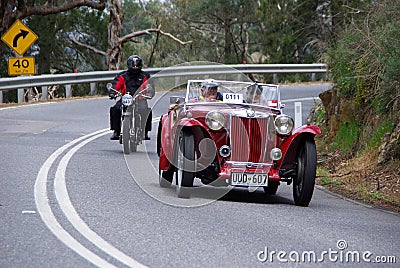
column 133, row 138
column 126, row 135
column 303, row 183
column 165, row 178
column 159, row 131
column 185, row 165
column 272, row 188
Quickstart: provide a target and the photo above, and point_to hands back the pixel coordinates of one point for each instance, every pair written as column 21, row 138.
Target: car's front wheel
column 185, row 165
column 303, row 184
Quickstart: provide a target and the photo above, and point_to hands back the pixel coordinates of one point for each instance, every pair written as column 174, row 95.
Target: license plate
column 249, row 179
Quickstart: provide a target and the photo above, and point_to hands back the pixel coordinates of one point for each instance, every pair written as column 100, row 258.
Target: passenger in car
column 253, row 94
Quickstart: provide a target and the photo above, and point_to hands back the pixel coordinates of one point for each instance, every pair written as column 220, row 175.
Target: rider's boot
column 115, row 135
column 146, row 136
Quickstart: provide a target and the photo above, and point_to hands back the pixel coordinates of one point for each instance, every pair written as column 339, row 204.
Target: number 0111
column 21, row 66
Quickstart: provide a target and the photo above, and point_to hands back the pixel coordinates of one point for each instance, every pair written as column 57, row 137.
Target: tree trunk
column 114, row 51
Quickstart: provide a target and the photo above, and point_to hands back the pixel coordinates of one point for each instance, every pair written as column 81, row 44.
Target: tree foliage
column 100, row 34
column 11, row 10
column 57, row 53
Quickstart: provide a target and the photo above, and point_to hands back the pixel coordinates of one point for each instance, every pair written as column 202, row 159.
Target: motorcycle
column 132, row 128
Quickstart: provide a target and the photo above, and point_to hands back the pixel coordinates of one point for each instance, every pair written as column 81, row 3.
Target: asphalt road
column 69, row 198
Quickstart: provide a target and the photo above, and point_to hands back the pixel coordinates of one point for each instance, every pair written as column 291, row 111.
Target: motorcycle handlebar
column 119, row 94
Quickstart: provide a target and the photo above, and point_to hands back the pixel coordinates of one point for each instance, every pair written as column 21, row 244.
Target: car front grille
column 249, row 138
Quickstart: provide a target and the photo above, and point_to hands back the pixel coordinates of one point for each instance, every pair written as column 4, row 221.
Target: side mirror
column 283, row 105
column 176, row 100
column 109, row 86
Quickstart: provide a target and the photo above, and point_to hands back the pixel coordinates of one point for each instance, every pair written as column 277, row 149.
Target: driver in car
column 209, row 92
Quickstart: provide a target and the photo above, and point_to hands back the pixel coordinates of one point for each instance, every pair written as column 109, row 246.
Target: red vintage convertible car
column 234, row 134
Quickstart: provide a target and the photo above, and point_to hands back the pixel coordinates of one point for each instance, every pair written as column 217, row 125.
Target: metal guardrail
column 21, row 82
column 105, row 76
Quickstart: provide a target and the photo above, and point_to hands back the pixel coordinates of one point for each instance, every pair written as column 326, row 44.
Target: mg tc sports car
column 235, row 134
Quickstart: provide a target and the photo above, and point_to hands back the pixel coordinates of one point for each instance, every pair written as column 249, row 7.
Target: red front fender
column 289, row 145
column 190, row 122
column 168, row 136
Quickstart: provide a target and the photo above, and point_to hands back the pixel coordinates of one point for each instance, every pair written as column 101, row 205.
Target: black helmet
column 134, row 61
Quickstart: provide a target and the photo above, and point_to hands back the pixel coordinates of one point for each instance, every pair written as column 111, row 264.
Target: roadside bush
column 364, row 62
column 375, row 138
column 346, row 136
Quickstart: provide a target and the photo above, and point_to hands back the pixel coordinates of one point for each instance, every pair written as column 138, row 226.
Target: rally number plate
column 249, row 179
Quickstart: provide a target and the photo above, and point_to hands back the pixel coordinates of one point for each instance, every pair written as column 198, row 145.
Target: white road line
column 73, row 217
column 301, row 99
column 44, row 209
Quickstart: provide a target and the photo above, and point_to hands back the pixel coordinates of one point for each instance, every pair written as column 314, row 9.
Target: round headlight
column 127, row 100
column 284, row 124
column 215, row 120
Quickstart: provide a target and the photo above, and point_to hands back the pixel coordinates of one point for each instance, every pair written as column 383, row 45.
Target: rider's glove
column 111, row 95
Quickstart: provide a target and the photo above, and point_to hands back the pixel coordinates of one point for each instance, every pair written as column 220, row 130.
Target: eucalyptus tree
column 54, row 50
column 221, row 28
column 57, row 31
column 116, row 39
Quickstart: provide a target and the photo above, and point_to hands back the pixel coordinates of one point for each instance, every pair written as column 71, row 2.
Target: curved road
column 70, row 198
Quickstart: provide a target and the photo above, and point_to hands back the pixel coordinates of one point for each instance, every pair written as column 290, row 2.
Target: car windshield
column 233, row 92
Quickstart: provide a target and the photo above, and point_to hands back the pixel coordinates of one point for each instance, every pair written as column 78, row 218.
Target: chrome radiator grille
column 248, row 138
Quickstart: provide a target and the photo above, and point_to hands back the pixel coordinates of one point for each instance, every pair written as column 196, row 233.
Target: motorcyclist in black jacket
column 132, row 80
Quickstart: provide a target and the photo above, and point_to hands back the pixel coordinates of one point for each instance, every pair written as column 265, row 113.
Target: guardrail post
column 93, row 89
column 297, row 115
column 275, row 78
column 44, row 93
column 177, row 80
column 313, row 77
column 20, row 95
column 68, row 91
column 1, row 96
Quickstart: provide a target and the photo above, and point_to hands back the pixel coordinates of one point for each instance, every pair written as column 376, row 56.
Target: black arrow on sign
column 22, row 34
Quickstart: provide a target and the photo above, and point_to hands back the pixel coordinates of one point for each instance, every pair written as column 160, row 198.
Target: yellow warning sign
column 21, row 66
column 19, row 37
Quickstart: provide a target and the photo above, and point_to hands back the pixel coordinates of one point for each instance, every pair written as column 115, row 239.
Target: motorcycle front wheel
column 133, row 139
column 127, row 135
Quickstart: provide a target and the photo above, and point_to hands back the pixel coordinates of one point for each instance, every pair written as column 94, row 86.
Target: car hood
column 239, row 110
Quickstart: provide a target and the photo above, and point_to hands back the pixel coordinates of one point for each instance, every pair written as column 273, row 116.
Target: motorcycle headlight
column 215, row 120
column 283, row 124
column 127, row 100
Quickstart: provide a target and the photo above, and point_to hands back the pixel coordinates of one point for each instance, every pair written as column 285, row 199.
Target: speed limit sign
column 21, row 66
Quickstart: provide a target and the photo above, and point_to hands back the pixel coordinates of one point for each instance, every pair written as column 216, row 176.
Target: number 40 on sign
column 21, row 66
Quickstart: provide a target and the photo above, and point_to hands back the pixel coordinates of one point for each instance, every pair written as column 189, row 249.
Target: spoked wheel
column 303, row 184
column 185, row 165
column 271, row 188
column 165, row 178
column 126, row 135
